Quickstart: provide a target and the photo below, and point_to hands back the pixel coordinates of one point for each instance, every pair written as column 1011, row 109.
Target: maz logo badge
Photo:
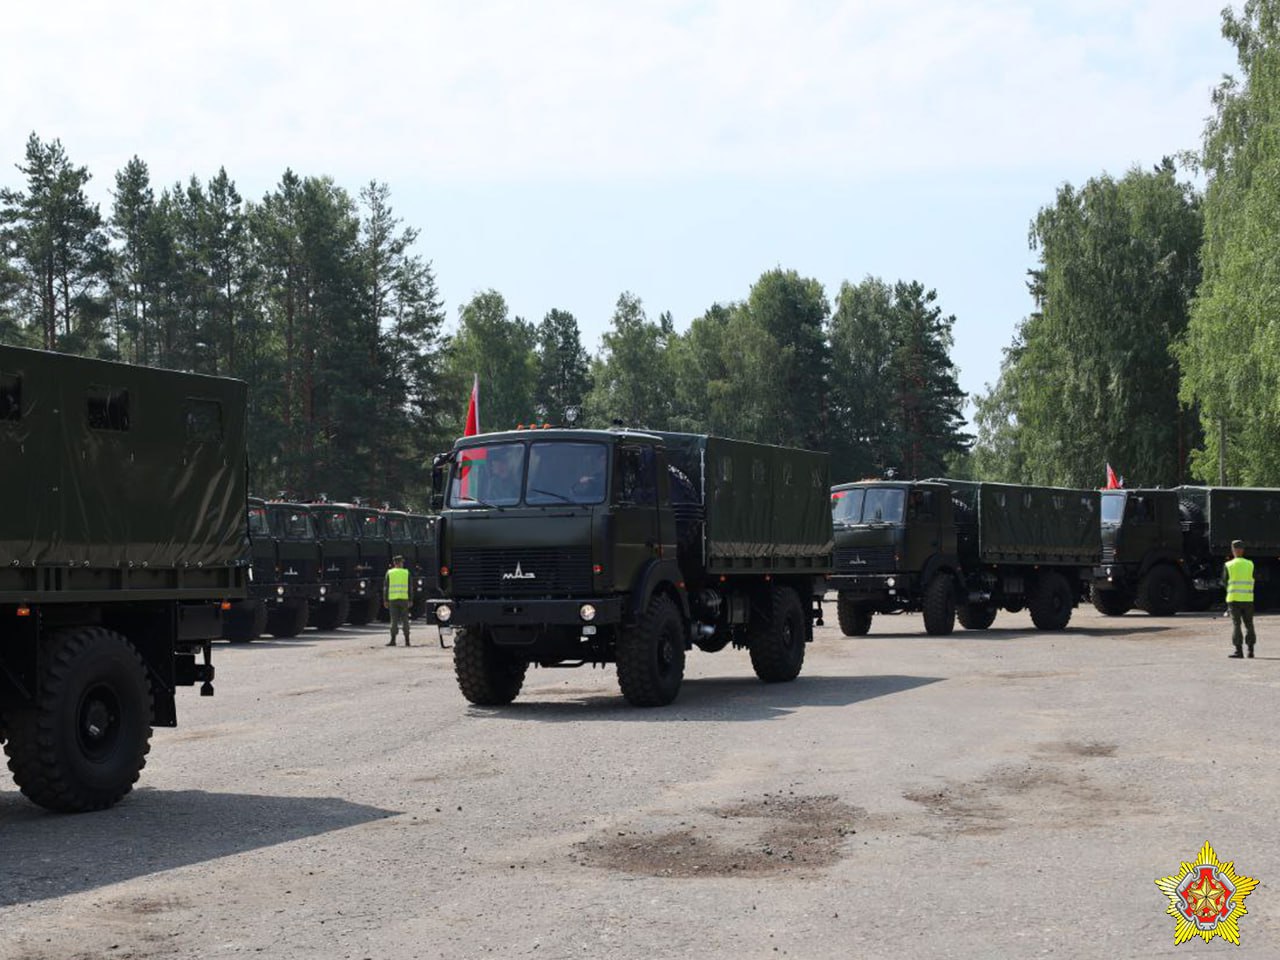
column 519, row 575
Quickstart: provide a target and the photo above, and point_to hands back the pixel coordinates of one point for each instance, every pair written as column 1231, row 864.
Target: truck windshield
column 566, row 472
column 1112, row 508
column 258, row 522
column 293, row 524
column 883, row 505
column 558, row 472
column 846, row 506
column 373, row 527
column 422, row 529
column 335, row 524
column 398, row 528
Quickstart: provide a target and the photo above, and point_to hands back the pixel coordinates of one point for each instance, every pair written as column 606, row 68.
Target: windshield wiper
column 483, row 503
column 551, row 493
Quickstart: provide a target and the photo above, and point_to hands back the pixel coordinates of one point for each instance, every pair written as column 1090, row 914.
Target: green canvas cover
column 1023, row 524
column 111, row 465
column 1248, row 514
column 764, row 505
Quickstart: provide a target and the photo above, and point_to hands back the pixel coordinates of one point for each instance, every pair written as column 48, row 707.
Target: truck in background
column 564, row 547
column 953, row 549
column 128, row 543
column 285, row 588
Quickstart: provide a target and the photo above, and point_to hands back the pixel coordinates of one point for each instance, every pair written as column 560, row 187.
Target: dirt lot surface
column 997, row 794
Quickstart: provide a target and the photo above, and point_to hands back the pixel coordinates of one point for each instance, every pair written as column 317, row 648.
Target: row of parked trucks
column 323, row 564
column 127, row 557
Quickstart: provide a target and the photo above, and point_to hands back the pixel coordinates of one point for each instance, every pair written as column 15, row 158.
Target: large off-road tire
column 854, row 617
column 1111, row 603
column 940, row 605
column 362, row 610
column 288, row 619
column 81, row 745
column 332, row 614
column 650, row 655
column 976, row 616
column 1051, row 601
column 1163, row 591
column 487, row 675
column 246, row 623
column 776, row 641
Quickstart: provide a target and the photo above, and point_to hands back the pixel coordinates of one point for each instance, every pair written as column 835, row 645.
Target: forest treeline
column 1151, row 344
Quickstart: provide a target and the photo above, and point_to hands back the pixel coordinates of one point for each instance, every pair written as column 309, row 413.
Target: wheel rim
column 98, row 722
column 666, row 654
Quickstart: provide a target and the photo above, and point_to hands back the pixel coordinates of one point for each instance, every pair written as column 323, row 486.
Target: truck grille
column 865, row 559
column 1108, row 552
column 525, row 572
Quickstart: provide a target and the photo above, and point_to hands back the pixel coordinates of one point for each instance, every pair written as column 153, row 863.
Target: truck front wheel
column 245, row 622
column 1162, row 592
column 651, row 655
column 487, row 675
column 332, row 614
column 855, row 618
column 83, row 741
column 776, row 642
column 1051, row 602
column 288, row 619
column 940, row 606
column 1111, row 603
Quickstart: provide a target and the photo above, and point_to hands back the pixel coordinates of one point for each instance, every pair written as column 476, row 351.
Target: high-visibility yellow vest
column 397, row 584
column 1239, row 580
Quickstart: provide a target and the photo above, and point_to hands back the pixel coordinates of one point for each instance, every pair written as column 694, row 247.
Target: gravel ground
column 996, row 794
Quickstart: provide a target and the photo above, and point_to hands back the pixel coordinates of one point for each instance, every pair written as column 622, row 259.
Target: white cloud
column 444, row 89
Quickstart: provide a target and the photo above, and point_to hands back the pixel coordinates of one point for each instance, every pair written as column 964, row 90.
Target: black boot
column 392, row 643
column 1238, row 655
column 406, row 643
column 1251, row 651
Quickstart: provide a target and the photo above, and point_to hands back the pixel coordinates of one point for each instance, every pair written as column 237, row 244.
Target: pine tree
column 564, row 369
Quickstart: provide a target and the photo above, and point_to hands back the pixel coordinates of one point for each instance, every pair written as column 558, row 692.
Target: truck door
column 923, row 526
column 635, row 512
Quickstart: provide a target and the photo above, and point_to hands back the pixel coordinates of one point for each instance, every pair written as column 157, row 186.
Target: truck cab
column 424, row 561
column 1142, row 554
column 285, row 572
column 890, row 536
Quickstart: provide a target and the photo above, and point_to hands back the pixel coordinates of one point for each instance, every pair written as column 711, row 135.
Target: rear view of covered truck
column 123, row 539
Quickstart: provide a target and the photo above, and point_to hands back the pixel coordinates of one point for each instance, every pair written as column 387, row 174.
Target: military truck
column 285, row 581
column 1216, row 516
column 373, row 559
column 1148, row 536
column 953, row 549
column 425, row 563
column 353, row 595
column 562, row 547
column 123, row 542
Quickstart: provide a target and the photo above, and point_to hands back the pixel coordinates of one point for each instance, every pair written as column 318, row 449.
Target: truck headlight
column 322, row 591
column 364, row 584
column 891, row 582
column 279, row 591
column 251, row 574
column 587, row 612
column 444, row 613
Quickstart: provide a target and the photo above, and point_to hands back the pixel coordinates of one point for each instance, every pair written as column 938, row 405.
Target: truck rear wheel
column 855, row 618
column 288, row 619
column 940, row 605
column 1051, row 602
column 81, row 745
column 651, row 655
column 777, row 642
column 487, row 675
column 976, row 616
column 332, row 614
column 1162, row 592
column 1111, row 603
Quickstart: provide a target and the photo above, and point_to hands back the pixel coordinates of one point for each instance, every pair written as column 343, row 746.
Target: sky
column 564, row 151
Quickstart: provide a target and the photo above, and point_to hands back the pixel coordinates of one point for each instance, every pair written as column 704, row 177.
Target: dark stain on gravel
column 778, row 834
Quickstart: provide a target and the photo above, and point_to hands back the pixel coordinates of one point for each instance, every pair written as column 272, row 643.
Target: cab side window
column 637, row 475
column 922, row 505
column 10, row 396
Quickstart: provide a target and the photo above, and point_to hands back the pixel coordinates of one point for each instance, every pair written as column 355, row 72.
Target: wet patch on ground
column 1023, row 795
column 1079, row 748
column 775, row 835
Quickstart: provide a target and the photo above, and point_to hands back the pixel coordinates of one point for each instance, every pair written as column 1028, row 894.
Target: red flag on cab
column 1113, row 482
column 473, row 409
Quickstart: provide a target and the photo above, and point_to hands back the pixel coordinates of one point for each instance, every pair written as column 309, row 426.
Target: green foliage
column 564, row 369
column 1229, row 355
column 632, row 379
column 499, row 348
column 1092, row 378
column 895, row 401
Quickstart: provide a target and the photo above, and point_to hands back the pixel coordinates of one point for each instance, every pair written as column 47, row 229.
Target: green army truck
column 1150, row 541
column 953, row 549
column 562, row 547
column 1217, row 516
column 123, row 543
column 285, row 588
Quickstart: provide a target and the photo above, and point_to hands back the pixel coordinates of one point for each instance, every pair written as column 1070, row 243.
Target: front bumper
column 878, row 586
column 527, row 613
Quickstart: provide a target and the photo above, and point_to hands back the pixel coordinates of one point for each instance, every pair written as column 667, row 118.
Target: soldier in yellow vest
column 1237, row 577
column 397, row 599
